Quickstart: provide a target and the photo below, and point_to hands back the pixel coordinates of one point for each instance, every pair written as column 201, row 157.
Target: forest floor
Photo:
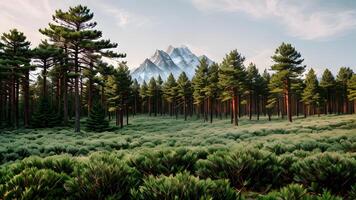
column 324, row 133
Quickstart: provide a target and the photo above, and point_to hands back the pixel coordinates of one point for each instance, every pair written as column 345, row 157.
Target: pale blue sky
column 324, row 31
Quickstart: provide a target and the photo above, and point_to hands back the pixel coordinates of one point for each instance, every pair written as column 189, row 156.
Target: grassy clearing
column 325, row 133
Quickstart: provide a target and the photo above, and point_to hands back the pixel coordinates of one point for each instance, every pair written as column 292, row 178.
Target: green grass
column 325, row 133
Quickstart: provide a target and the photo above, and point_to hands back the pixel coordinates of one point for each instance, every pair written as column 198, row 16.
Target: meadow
column 160, row 157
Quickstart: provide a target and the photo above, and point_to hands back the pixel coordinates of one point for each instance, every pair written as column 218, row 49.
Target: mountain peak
column 174, row 60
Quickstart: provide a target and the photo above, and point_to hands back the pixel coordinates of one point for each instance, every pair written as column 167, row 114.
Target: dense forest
column 76, row 82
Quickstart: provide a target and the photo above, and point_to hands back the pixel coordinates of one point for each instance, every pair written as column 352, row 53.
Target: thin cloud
column 302, row 19
column 125, row 18
column 27, row 16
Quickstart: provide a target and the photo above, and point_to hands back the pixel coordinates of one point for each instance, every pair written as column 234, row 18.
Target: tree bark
column 26, row 89
column 76, row 92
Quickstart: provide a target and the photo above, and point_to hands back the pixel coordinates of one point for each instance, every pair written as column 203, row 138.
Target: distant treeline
column 75, row 79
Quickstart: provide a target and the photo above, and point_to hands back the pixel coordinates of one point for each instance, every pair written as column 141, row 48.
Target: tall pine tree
column 288, row 67
column 232, row 79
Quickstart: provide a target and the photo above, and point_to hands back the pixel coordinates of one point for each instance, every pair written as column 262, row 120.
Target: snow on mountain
column 145, row 71
column 166, row 64
column 174, row 60
column 184, row 59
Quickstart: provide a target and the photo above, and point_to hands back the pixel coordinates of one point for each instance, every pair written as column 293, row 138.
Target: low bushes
column 183, row 174
column 297, row 192
column 332, row 171
column 250, row 169
column 184, row 186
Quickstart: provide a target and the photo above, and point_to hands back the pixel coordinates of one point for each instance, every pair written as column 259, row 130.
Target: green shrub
column 332, row 171
column 97, row 179
column 297, row 192
column 166, row 162
column 252, row 169
column 352, row 192
column 45, row 115
column 33, row 183
column 184, row 186
column 59, row 164
column 97, row 121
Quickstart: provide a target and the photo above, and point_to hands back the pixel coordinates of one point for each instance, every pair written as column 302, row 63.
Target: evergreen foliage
column 288, row 67
column 45, row 116
column 311, row 95
column 96, row 120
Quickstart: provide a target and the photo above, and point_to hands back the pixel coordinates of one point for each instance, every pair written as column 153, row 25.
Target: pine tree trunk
column 26, row 89
column 76, row 91
column 288, row 102
column 90, row 90
column 185, row 109
column 234, row 109
column 211, row 110
column 17, row 104
column 258, row 106
column 127, row 114
column 250, row 106
column 65, row 100
column 149, row 105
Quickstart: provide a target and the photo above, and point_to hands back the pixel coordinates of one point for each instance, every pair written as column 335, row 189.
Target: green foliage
column 45, row 115
column 251, row 169
column 167, row 161
column 352, row 88
column 297, row 192
column 33, row 183
column 200, row 81
column 329, row 171
column 327, row 80
column 97, row 121
column 311, row 95
column 232, row 74
column 184, row 186
column 98, row 179
column 170, row 89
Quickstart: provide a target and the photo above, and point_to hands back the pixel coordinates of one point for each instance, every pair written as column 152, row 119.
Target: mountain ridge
column 174, row 60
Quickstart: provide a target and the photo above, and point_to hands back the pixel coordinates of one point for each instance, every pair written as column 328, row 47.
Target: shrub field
column 164, row 158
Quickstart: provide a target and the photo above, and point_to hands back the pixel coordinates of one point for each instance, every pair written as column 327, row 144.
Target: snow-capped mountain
column 174, row 60
column 146, row 70
column 162, row 60
column 184, row 58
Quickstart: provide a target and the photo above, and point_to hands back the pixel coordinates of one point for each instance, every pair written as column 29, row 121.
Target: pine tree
column 288, row 68
column 45, row 115
column 275, row 86
column 200, row 81
column 342, row 78
column 184, row 91
column 152, row 96
column 135, row 88
column 143, row 95
column 311, row 95
column 96, row 120
column 159, row 101
column 16, row 62
column 76, row 29
column 232, row 80
column 253, row 83
column 327, row 83
column 352, row 90
column 266, row 78
column 212, row 87
column 45, row 55
column 170, row 93
column 123, row 83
